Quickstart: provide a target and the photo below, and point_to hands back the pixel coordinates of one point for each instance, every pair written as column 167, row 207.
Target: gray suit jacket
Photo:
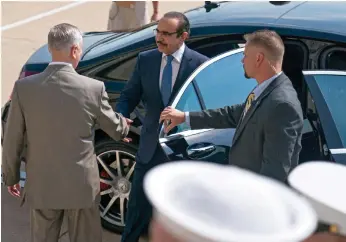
column 57, row 111
column 268, row 139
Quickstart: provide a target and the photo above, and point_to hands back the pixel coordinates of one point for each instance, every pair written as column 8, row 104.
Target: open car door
column 217, row 83
column 328, row 92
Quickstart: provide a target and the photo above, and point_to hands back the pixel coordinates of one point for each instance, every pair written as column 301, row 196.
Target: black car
column 221, row 82
column 314, row 35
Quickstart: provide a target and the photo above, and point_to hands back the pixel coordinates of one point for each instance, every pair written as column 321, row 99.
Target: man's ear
column 259, row 58
column 73, row 51
column 185, row 36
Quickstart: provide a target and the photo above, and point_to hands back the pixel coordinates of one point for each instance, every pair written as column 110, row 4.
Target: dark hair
column 268, row 40
column 184, row 24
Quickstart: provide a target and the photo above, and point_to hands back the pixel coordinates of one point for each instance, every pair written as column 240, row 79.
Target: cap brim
column 160, row 182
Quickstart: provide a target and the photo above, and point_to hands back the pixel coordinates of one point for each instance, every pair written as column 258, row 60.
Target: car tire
column 115, row 187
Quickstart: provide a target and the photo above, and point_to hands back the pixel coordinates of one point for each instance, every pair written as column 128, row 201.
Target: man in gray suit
column 269, row 124
column 57, row 110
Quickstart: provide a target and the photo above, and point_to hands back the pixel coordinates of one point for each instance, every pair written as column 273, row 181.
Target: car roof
column 327, row 17
column 319, row 20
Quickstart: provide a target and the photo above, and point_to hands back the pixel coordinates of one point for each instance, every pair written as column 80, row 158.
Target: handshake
column 129, row 122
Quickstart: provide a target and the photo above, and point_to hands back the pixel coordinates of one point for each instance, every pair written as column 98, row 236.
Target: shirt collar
column 178, row 55
column 260, row 88
column 60, row 63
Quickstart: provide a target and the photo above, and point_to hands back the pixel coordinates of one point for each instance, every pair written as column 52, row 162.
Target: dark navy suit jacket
column 144, row 85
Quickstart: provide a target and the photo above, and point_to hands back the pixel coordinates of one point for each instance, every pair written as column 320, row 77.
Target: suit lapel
column 241, row 125
column 183, row 72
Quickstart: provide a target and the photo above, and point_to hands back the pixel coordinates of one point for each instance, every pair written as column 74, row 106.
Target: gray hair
column 64, row 36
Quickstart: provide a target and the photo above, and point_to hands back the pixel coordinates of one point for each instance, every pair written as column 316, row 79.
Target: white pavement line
column 41, row 15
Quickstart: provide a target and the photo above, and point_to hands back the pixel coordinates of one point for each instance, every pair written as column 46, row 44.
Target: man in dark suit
column 269, row 124
column 157, row 77
column 55, row 113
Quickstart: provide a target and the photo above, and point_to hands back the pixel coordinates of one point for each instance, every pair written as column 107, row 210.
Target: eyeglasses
column 164, row 33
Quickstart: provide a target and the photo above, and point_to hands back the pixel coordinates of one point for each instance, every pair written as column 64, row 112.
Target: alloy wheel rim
column 119, row 172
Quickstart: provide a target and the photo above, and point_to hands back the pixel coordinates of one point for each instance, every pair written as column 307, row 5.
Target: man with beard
column 157, row 77
column 268, row 124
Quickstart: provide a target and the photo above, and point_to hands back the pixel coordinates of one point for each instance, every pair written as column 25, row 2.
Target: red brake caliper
column 104, row 186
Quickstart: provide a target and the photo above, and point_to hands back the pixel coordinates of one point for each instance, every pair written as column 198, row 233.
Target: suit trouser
column 84, row 225
column 139, row 210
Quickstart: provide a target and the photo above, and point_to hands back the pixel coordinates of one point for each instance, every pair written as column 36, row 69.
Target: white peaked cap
column 204, row 202
column 324, row 184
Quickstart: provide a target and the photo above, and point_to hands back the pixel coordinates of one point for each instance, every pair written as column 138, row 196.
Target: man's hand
column 129, row 122
column 154, row 17
column 171, row 117
column 14, row 190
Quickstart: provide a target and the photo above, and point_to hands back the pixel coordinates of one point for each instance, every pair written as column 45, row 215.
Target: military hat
column 205, row 202
column 324, row 185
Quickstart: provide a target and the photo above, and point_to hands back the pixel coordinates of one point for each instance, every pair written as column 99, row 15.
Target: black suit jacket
column 144, row 85
column 268, row 139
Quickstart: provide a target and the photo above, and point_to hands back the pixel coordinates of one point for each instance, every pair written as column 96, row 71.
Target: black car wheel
column 116, row 161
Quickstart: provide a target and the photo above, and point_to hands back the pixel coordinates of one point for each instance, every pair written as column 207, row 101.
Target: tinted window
column 121, row 71
column 336, row 60
column 223, row 83
column 216, row 48
column 294, row 62
column 333, row 89
column 188, row 102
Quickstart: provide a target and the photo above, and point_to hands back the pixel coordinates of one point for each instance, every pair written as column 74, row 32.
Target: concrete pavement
column 15, row 222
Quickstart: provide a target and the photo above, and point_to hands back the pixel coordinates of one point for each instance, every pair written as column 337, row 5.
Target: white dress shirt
column 177, row 57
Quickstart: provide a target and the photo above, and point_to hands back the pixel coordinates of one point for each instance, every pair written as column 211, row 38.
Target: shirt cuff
column 187, row 119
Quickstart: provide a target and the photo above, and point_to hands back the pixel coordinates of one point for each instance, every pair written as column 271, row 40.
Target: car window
column 333, row 88
column 187, row 103
column 220, row 83
column 121, row 71
column 223, row 83
column 214, row 45
column 336, row 60
column 216, row 48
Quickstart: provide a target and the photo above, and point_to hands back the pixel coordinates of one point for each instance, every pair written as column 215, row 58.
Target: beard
column 245, row 74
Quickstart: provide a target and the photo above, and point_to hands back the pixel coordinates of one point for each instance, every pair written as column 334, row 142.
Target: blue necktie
column 166, row 84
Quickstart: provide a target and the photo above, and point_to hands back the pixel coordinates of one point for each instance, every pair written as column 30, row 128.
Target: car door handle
column 200, row 151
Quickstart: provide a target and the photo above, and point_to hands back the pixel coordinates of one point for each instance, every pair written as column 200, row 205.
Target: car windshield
column 333, row 88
